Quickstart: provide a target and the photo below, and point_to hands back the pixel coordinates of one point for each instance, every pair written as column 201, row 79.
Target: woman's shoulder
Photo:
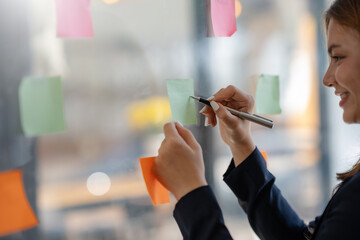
column 341, row 216
column 350, row 190
column 354, row 181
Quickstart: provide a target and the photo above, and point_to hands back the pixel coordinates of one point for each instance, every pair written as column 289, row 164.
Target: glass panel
column 89, row 182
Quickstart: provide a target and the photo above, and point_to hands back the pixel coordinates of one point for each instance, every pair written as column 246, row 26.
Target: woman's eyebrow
column 331, row 47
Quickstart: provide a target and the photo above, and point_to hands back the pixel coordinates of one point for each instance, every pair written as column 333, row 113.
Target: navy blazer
column 271, row 217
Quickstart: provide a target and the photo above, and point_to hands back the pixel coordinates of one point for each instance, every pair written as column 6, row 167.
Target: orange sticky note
column 15, row 211
column 264, row 155
column 158, row 193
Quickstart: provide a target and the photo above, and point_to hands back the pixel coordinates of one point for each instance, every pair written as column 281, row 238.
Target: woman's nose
column 329, row 78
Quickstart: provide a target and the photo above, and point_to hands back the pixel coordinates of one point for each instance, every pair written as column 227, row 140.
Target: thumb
column 186, row 135
column 224, row 115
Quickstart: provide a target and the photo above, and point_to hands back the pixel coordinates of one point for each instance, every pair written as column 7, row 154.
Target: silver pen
column 244, row 115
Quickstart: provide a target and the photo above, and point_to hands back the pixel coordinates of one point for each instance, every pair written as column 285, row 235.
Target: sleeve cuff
column 244, row 163
column 196, row 209
column 198, row 200
column 248, row 178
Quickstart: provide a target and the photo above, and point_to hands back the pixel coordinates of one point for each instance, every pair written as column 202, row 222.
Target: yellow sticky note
column 158, row 193
column 15, row 211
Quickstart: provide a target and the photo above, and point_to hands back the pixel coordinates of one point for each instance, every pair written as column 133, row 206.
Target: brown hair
column 346, row 13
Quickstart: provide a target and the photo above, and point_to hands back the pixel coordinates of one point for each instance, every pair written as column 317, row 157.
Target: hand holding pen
column 234, row 130
column 244, row 115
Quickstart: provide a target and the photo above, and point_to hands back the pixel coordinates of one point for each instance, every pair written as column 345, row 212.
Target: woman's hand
column 179, row 166
column 234, row 131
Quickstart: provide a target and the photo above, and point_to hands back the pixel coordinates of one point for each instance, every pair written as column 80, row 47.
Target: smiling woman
column 115, row 104
column 343, row 38
column 270, row 215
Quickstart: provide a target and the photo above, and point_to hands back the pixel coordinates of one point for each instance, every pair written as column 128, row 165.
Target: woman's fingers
column 230, row 97
column 230, row 92
column 170, row 130
column 235, row 98
column 210, row 117
column 177, row 134
column 223, row 114
column 179, row 165
column 187, row 136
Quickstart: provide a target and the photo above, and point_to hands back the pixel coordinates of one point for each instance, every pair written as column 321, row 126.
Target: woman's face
column 343, row 73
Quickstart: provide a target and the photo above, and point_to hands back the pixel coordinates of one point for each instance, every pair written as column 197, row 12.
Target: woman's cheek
column 340, row 75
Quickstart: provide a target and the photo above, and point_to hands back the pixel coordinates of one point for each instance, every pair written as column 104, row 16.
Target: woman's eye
column 336, row 58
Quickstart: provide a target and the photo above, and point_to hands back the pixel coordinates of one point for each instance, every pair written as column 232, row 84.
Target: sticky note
column 223, row 17
column 182, row 105
column 157, row 192
column 267, row 99
column 74, row 19
column 41, row 106
column 16, row 213
column 264, row 154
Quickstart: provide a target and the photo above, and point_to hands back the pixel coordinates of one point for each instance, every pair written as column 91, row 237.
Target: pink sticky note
column 223, row 17
column 74, row 19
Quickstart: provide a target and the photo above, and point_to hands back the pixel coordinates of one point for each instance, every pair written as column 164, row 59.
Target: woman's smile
column 344, row 96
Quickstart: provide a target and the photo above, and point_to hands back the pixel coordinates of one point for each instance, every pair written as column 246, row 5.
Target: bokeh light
column 238, row 8
column 98, row 183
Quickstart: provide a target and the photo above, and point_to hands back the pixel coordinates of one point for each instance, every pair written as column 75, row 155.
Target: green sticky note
column 267, row 98
column 41, row 106
column 182, row 105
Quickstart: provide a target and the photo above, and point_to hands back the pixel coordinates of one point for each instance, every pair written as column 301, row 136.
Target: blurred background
column 86, row 183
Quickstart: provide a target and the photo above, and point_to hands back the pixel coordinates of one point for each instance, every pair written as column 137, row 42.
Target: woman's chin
column 350, row 118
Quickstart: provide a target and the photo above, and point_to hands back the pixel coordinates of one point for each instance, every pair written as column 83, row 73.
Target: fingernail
column 210, row 98
column 206, row 122
column 202, row 110
column 179, row 123
column 214, row 105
